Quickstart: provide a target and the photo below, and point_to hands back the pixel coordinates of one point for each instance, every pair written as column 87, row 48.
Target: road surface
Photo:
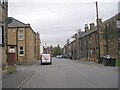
column 65, row 73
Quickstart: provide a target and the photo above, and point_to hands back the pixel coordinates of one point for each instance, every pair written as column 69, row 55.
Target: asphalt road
column 65, row 73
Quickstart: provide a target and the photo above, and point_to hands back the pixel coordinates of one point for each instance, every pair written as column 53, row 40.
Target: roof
column 89, row 32
column 95, row 28
column 81, row 34
column 16, row 23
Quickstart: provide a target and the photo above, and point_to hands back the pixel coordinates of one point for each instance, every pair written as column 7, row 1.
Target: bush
column 11, row 69
column 118, row 63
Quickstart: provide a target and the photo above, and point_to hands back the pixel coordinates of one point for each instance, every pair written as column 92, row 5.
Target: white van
column 46, row 59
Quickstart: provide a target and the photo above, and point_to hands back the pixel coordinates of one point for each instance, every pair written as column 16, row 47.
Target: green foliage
column 11, row 69
column 57, row 50
column 118, row 63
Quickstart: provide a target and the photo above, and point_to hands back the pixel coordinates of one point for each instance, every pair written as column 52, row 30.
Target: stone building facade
column 89, row 43
column 66, row 49
column 3, row 29
column 23, row 43
column 90, row 46
column 38, row 42
column 72, row 50
column 109, row 37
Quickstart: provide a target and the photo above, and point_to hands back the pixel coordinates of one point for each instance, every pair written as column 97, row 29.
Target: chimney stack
column 99, row 21
column 28, row 25
column 86, row 27
column 92, row 25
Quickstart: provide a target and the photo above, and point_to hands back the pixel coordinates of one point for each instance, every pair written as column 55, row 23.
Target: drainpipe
column 106, row 39
column 17, row 42
column 8, row 21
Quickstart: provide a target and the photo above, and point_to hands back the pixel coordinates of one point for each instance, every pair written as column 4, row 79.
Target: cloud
column 57, row 20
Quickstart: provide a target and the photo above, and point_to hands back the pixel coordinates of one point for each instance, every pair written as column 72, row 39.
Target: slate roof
column 95, row 28
column 89, row 32
column 16, row 23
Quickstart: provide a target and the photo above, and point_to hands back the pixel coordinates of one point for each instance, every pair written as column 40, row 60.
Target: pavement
column 0, row 78
column 92, row 63
column 17, row 77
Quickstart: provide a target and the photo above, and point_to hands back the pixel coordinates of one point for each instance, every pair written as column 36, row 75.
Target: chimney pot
column 28, row 25
column 92, row 25
column 86, row 27
column 99, row 21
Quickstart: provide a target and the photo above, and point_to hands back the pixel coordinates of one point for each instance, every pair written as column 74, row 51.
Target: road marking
column 20, row 86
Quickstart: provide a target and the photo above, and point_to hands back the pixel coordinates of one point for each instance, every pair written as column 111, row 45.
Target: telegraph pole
column 98, row 31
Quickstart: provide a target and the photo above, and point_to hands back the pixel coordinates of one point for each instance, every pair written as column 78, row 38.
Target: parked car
column 59, row 56
column 46, row 59
column 108, row 60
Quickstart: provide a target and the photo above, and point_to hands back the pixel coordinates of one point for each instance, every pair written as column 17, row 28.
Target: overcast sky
column 58, row 20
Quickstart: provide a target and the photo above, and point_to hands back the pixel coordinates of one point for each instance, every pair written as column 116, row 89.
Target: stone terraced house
column 23, row 43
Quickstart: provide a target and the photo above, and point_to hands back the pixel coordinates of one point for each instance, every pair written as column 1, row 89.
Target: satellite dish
column 8, row 20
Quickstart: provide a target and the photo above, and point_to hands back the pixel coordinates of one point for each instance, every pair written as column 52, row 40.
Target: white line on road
column 20, row 86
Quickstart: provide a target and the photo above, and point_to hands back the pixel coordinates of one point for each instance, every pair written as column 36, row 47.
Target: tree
column 57, row 50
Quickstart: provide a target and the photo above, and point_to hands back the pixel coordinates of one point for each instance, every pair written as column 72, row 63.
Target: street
column 64, row 73
column 82, row 39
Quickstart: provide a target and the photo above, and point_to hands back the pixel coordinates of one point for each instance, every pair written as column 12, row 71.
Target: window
column 12, row 47
column 91, row 52
column 21, row 35
column 96, row 38
column 90, row 39
column 1, row 36
column 21, row 51
column 118, row 23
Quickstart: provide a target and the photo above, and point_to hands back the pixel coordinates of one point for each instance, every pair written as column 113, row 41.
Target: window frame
column 2, row 36
column 21, row 50
column 21, row 34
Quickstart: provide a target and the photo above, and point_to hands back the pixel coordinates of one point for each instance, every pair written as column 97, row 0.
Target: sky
column 58, row 20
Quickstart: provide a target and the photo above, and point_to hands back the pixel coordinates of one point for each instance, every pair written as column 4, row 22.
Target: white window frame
column 21, row 50
column 118, row 23
column 21, row 34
